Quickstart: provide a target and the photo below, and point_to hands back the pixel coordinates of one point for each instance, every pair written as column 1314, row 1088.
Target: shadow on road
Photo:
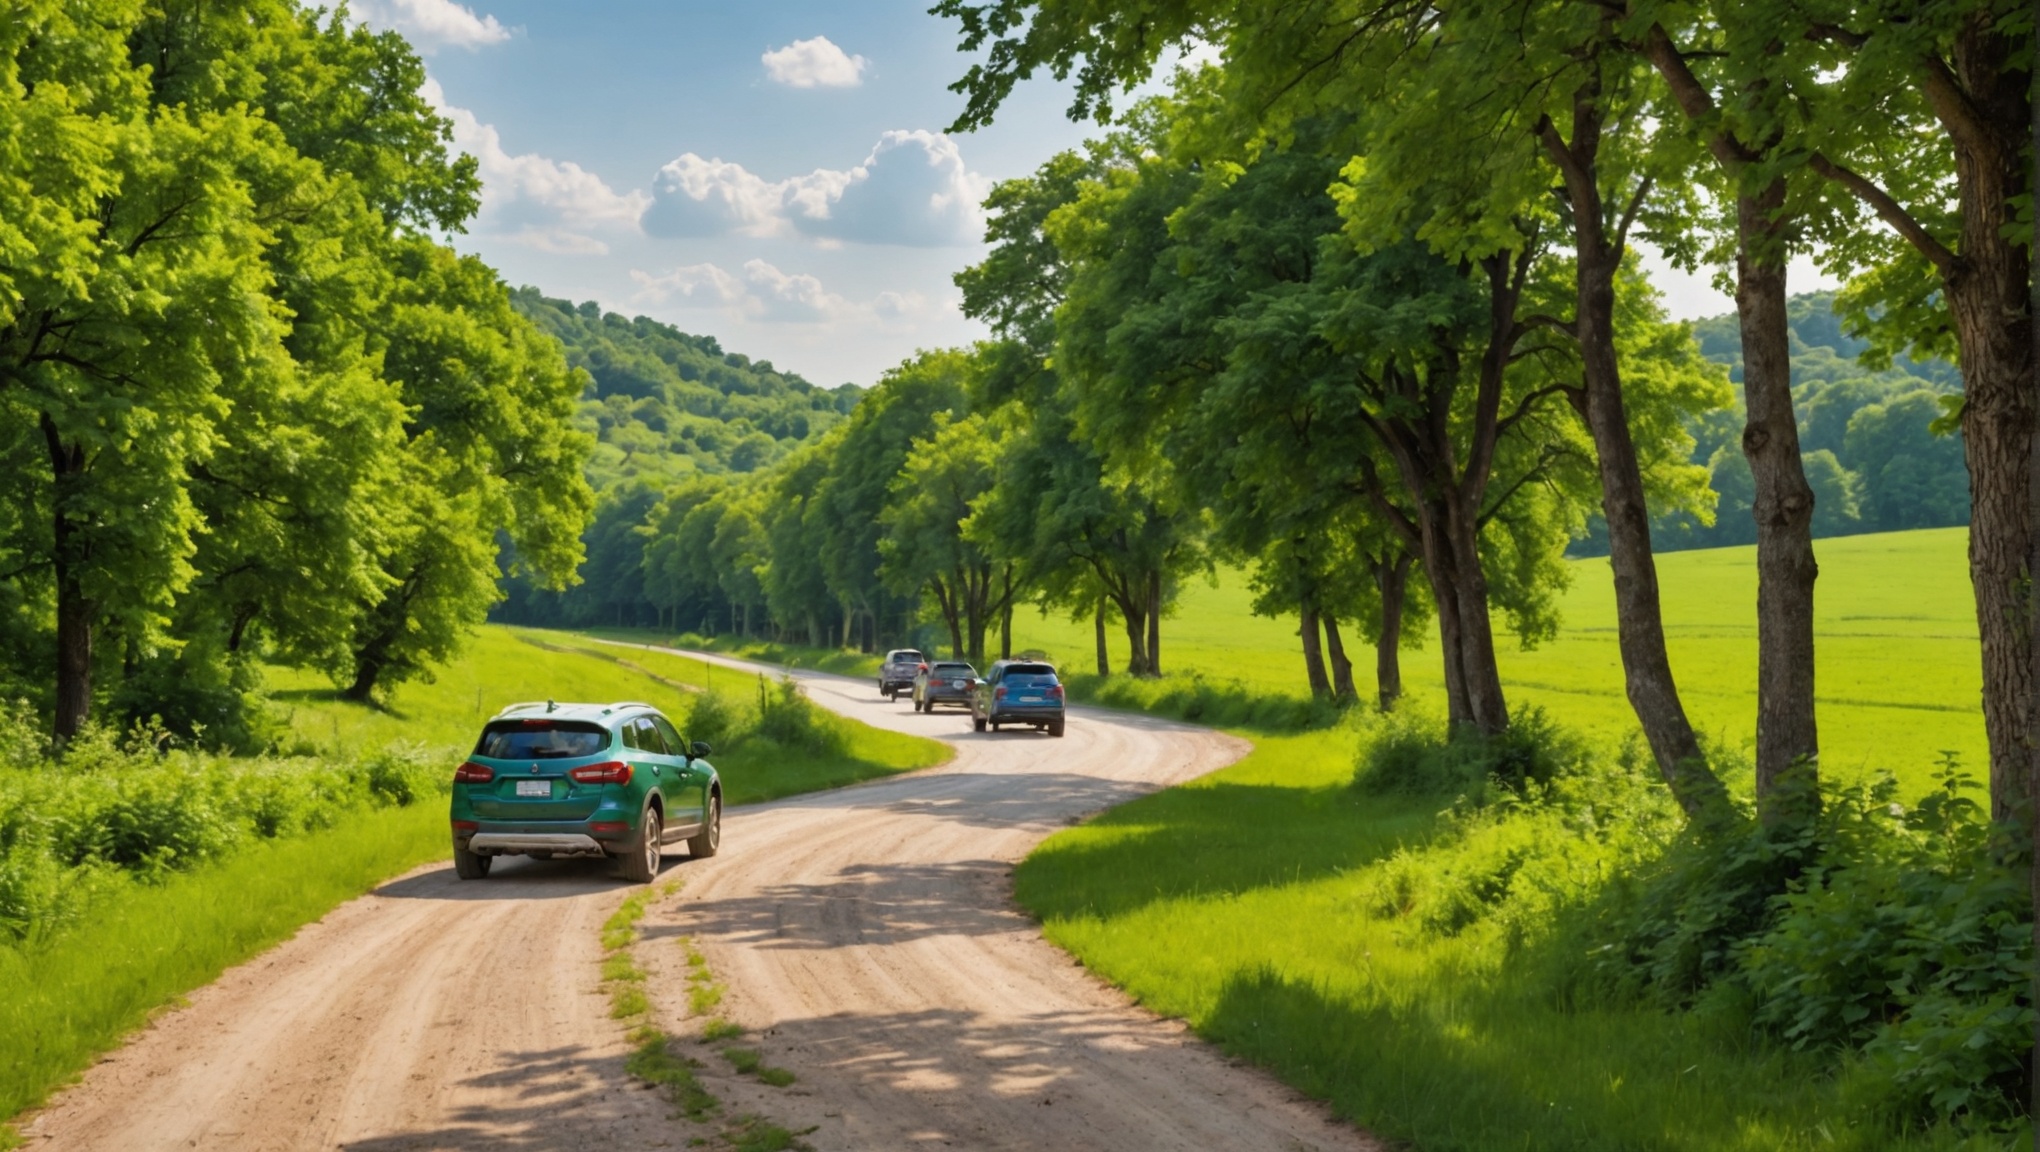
column 867, row 904
column 517, row 878
column 565, row 1094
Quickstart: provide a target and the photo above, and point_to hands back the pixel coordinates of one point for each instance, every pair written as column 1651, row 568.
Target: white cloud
column 700, row 285
column 912, row 190
column 815, row 63
column 432, row 24
column 762, row 293
column 696, row 197
column 552, row 205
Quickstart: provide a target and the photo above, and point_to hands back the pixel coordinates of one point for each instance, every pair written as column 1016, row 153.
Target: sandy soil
column 866, row 938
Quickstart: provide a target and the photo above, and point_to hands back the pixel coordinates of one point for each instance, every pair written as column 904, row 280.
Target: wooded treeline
column 250, row 408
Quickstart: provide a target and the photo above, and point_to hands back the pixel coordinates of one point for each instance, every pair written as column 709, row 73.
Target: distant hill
column 664, row 406
column 1874, row 464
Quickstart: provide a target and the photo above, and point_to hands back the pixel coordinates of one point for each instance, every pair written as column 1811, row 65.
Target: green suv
column 613, row 780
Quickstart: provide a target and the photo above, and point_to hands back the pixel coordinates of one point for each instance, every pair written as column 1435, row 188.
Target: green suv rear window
column 541, row 739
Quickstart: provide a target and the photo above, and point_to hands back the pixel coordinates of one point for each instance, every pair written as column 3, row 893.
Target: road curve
column 866, row 938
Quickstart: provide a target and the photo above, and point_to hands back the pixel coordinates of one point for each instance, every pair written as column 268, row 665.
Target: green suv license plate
column 534, row 788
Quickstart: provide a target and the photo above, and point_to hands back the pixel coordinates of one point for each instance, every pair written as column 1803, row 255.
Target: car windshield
column 1030, row 676
column 945, row 669
column 907, row 656
column 541, row 739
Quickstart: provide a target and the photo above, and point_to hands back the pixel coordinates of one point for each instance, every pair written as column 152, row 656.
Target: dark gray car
column 1018, row 692
column 944, row 682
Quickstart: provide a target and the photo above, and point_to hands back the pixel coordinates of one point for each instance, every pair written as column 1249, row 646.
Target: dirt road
column 865, row 937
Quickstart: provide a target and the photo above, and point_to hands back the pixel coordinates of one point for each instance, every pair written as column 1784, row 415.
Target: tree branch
column 1890, row 210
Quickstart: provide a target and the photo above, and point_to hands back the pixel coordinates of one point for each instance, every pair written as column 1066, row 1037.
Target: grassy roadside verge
column 64, row 1003
column 1288, row 949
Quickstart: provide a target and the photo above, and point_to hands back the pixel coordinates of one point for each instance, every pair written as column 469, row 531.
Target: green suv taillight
column 608, row 772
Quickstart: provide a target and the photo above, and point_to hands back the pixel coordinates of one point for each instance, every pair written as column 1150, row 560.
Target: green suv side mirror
column 699, row 748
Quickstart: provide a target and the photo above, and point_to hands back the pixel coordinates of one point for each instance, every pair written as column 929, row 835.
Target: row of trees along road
column 248, row 406
column 1896, row 145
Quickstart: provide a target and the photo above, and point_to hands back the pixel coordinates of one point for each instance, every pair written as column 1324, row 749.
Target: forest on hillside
column 1873, row 453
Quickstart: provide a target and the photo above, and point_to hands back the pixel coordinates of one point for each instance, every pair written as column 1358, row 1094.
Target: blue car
column 1018, row 692
column 613, row 780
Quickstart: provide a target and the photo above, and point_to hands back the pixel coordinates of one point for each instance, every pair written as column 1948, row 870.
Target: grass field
column 1898, row 676
column 506, row 665
column 1250, row 903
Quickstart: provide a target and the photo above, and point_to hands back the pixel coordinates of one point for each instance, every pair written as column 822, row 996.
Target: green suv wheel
column 1055, row 728
column 705, row 843
column 640, row 864
column 470, row 865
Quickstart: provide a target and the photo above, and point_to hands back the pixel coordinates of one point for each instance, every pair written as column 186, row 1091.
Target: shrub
column 717, row 719
column 116, row 809
column 791, row 720
column 1411, row 753
column 1902, row 933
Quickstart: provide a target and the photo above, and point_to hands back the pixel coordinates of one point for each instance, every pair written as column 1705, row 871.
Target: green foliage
column 120, row 806
column 1894, row 930
column 1413, row 754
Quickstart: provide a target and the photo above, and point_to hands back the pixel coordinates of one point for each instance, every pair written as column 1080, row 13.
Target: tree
column 132, row 289
column 927, row 544
column 1749, row 132
column 1953, row 82
column 1911, row 478
column 488, row 448
column 1504, row 101
column 875, row 445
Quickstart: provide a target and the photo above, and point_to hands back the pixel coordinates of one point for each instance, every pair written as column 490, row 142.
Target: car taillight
column 473, row 773
column 607, row 827
column 611, row 772
column 466, row 826
column 1055, row 690
column 999, row 692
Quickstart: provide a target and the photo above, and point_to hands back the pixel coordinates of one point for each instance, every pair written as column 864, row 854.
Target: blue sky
column 771, row 172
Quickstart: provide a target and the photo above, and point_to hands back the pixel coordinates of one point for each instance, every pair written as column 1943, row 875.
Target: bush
column 792, row 721
column 1411, row 753
column 717, row 719
column 1900, row 933
column 1192, row 697
column 116, row 808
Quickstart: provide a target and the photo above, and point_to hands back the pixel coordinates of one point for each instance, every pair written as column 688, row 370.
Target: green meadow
column 1899, row 678
column 502, row 666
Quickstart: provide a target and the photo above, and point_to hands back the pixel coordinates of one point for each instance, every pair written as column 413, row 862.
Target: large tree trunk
column 1639, row 616
column 75, row 624
column 1788, row 743
column 1154, row 623
column 77, row 614
column 1313, row 654
column 1488, row 708
column 1006, row 617
column 1342, row 666
column 1392, row 581
column 1104, row 654
column 1136, row 636
column 1457, row 711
